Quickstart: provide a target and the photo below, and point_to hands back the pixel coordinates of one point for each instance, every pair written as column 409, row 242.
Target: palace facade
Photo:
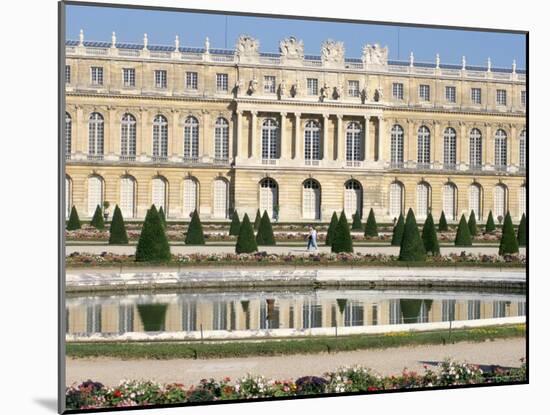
column 296, row 135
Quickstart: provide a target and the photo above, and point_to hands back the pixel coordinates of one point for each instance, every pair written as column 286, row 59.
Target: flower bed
column 94, row 395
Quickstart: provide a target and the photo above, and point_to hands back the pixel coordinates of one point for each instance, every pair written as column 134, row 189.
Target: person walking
column 312, row 239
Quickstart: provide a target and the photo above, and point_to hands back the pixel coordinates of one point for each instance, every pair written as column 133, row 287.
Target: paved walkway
column 110, row 371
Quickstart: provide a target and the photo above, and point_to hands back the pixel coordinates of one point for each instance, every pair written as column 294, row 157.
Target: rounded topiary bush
column 74, row 221
column 117, row 231
column 398, row 230
column 463, row 237
column 331, row 228
column 195, row 235
column 265, row 231
column 371, row 228
column 508, row 241
column 412, row 247
column 153, row 243
column 341, row 241
column 429, row 236
column 246, row 242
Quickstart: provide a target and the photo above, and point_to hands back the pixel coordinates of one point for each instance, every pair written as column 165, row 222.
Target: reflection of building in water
column 192, row 314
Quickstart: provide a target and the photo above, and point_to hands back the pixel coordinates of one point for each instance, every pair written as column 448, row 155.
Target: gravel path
column 505, row 352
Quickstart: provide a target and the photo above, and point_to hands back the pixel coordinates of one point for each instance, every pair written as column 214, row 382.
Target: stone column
column 80, row 144
column 174, row 137
column 146, row 135
column 254, row 151
column 205, row 143
column 230, row 140
column 436, row 147
column 298, row 139
column 241, row 142
column 382, row 146
column 464, row 144
column 410, row 142
column 488, row 146
column 340, row 139
column 326, row 154
column 512, row 149
column 459, row 143
column 111, row 138
column 368, row 150
column 283, row 145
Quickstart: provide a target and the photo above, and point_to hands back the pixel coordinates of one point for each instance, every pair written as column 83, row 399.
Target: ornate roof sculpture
column 247, row 49
column 333, row 53
column 375, row 56
column 291, row 50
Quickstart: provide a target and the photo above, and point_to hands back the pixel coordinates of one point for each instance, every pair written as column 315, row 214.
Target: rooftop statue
column 291, row 48
column 332, row 52
column 375, row 55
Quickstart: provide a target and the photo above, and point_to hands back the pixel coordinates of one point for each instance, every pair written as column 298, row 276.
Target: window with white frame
column 221, row 198
column 499, row 309
column 68, row 134
column 449, row 201
column 396, row 199
column 128, row 136
column 191, row 80
column 312, row 86
column 311, row 200
column 268, row 196
column 424, row 92
column 422, row 200
column 397, row 90
column 501, row 97
column 222, row 84
column 475, row 200
column 354, row 314
column 189, row 315
column 270, row 139
column 96, row 75
column 475, row 149
column 312, row 141
column 68, row 198
column 67, row 74
column 522, row 146
column 95, row 194
column 396, row 144
column 522, row 200
column 127, row 196
column 190, row 193
column 449, row 148
column 160, row 136
column 523, row 98
column 423, row 146
column 475, row 95
column 354, row 142
column 474, row 309
column 95, row 134
column 221, row 139
column 93, row 318
column 501, row 158
column 158, row 193
column 269, row 84
column 450, row 94
column 353, row 199
column 219, row 315
column 448, row 308
column 191, row 138
column 353, row 88
column 500, row 201
column 125, row 318
column 160, row 79
column 129, row 77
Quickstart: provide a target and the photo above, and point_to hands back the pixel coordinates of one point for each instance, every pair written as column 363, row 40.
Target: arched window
column 475, row 149
column 311, row 203
column 422, row 200
column 522, row 143
column 353, row 199
column 190, row 193
column 270, row 140
column 449, row 201
column 95, row 136
column 159, row 193
column 397, row 146
column 268, row 196
column 449, row 148
column 128, row 137
column 423, row 147
column 354, row 144
column 220, row 198
column 396, row 199
column 221, row 139
column 127, row 196
column 522, row 200
column 312, row 152
column 475, row 200
column 500, row 150
column 68, row 196
column 160, row 137
column 500, row 202
column 191, row 139
column 95, row 194
column 68, row 135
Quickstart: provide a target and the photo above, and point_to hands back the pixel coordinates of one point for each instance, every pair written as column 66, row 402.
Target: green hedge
column 490, row 225
column 74, row 221
column 257, row 220
column 398, row 230
column 463, row 237
column 153, row 244
column 235, row 224
column 412, row 247
column 97, row 220
column 117, row 231
column 508, row 241
column 522, row 231
column 356, row 224
column 265, row 232
column 246, row 242
column 331, row 228
column 429, row 236
column 371, row 228
column 472, row 224
column 442, row 226
column 341, row 241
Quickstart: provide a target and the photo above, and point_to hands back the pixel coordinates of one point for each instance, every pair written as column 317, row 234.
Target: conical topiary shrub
column 472, row 224
column 97, row 220
column 331, row 228
column 257, row 220
column 341, row 240
column 195, row 235
column 356, row 224
column 522, row 231
column 342, row 303
column 442, row 226
column 153, row 316
column 463, row 237
column 508, row 241
column 153, row 244
column 74, row 222
column 246, row 243
column 371, row 228
column 162, row 217
column 490, row 225
column 410, row 310
column 235, row 225
column 117, row 231
column 412, row 247
column 265, row 231
column 429, row 236
column 398, row 230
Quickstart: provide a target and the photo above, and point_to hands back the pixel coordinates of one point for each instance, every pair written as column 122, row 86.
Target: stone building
column 296, row 135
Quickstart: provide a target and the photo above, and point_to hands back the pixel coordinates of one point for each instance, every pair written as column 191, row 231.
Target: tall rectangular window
column 160, row 79
column 129, row 77
column 353, row 88
column 501, row 97
column 397, row 90
column 476, row 96
column 67, row 74
column 191, row 80
column 97, row 75
column 269, row 84
column 221, row 82
column 523, row 98
column 312, row 86
column 424, row 92
column 450, row 94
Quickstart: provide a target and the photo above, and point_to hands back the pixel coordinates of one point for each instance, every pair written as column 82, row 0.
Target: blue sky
column 192, row 28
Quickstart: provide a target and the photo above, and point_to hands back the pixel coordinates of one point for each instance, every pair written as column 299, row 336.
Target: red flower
column 372, row 389
column 117, row 393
